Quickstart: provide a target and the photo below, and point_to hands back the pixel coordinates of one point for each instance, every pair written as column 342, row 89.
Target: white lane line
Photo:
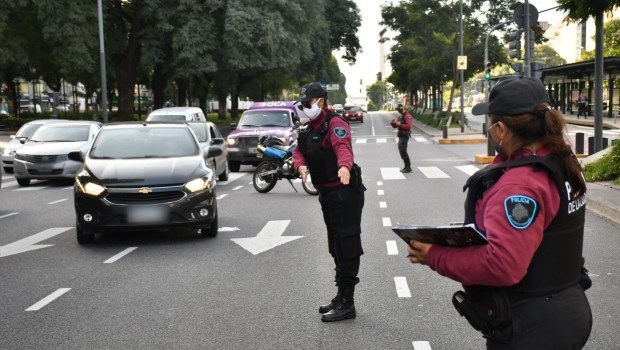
column 380, row 192
column 9, row 184
column 32, row 188
column 420, row 139
column 382, row 205
column 433, row 172
column 236, row 188
column 8, row 178
column 361, row 141
column 231, row 177
column 386, row 222
column 68, row 188
column 222, row 196
column 392, row 249
column 379, row 183
column 381, row 140
column 372, row 122
column 48, row 299
column 392, row 174
column 59, row 201
column 402, row 288
column 250, row 183
column 120, row 255
column 468, row 169
column 421, row 345
column 9, row 214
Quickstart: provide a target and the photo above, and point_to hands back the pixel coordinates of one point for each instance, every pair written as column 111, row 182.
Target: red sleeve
column 505, row 259
column 339, row 137
column 407, row 123
column 298, row 158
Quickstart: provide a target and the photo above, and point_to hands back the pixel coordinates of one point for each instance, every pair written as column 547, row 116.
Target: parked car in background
column 353, row 113
column 145, row 176
column 45, row 154
column 187, row 114
column 364, row 107
column 208, row 134
column 275, row 118
column 338, row 108
column 17, row 141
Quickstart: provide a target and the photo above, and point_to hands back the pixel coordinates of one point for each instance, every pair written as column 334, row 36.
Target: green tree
column 377, row 93
column 611, row 41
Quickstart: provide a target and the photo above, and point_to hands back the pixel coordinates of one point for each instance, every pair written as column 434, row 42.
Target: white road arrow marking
column 30, row 243
column 227, row 229
column 269, row 237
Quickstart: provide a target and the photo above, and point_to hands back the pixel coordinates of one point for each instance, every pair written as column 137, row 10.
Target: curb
column 462, row 140
column 603, row 209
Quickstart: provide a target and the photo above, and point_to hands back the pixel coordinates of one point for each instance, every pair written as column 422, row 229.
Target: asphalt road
column 156, row 290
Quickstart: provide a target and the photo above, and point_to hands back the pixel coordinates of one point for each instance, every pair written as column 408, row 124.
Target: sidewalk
column 603, row 197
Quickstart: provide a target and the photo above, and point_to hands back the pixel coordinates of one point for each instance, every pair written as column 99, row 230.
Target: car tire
column 82, row 236
column 23, row 182
column 224, row 175
column 234, row 166
column 211, row 230
column 8, row 170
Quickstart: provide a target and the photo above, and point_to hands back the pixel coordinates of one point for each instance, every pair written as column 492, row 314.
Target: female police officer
column 324, row 148
column 531, row 204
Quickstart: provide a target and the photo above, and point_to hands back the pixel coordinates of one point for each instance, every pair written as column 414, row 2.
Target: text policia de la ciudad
column 575, row 204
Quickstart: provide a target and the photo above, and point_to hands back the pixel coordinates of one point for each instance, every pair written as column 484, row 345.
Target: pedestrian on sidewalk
column 582, row 102
column 524, row 288
column 403, row 123
column 324, row 149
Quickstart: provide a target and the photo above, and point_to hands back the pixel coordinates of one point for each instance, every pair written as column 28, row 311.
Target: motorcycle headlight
column 199, row 184
column 88, row 187
column 283, row 139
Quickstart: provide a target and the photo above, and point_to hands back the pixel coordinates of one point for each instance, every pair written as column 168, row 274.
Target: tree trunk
column 181, row 92
column 221, row 98
column 14, row 96
column 158, row 84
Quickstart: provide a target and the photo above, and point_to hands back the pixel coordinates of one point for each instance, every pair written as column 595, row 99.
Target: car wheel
column 234, row 166
column 224, row 175
column 8, row 170
column 82, row 236
column 23, row 182
column 211, row 230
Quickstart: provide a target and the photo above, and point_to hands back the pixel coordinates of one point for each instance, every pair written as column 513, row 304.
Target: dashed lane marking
column 382, row 205
column 31, row 188
column 231, row 177
column 360, row 141
column 433, row 172
column 468, row 169
column 59, row 201
column 236, row 188
column 387, row 222
column 48, row 299
column 380, row 192
column 120, row 255
column 222, row 196
column 392, row 249
column 9, row 214
column 379, row 183
column 402, row 288
column 392, row 174
column 421, row 345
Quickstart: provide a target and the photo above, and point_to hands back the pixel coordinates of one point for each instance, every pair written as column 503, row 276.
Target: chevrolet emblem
column 145, row 190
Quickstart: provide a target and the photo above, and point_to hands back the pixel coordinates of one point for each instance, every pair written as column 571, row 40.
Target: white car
column 23, row 134
column 45, row 154
column 177, row 114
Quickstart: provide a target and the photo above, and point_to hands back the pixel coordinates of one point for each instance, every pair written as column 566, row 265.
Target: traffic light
column 535, row 68
column 514, row 44
column 517, row 67
column 379, row 76
column 487, row 71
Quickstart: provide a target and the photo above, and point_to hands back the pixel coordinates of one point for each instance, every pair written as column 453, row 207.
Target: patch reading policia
column 340, row 132
column 521, row 211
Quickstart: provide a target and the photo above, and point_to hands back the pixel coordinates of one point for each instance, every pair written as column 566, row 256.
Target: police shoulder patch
column 520, row 210
column 340, row 132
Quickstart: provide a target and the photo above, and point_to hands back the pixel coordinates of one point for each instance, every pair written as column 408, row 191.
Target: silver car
column 44, row 155
column 209, row 135
column 25, row 132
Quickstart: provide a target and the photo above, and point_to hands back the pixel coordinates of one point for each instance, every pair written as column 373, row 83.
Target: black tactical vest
column 322, row 162
column 557, row 262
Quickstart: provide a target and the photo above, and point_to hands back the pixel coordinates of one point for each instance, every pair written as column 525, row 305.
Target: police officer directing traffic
column 404, row 122
column 324, row 149
column 530, row 202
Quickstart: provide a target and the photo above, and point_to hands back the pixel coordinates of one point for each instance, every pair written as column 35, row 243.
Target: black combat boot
column 328, row 307
column 343, row 309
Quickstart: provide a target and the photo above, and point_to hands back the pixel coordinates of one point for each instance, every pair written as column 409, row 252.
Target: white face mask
column 314, row 111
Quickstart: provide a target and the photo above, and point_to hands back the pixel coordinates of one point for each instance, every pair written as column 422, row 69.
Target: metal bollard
column 484, row 129
column 591, row 144
column 579, row 143
column 445, row 131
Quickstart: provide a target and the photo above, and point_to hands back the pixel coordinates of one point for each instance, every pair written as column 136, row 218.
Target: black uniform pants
column 559, row 321
column 582, row 110
column 403, row 141
column 342, row 212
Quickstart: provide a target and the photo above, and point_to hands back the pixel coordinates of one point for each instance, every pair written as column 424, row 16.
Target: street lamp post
column 104, row 85
column 34, row 91
column 461, row 71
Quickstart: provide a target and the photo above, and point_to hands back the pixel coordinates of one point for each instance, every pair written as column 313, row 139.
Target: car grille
column 248, row 142
column 41, row 159
column 141, row 198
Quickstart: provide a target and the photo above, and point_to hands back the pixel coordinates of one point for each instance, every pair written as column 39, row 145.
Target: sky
column 367, row 63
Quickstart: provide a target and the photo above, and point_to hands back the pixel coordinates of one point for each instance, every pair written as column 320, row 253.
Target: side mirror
column 217, row 141
column 76, row 156
column 297, row 124
column 233, row 125
column 214, row 151
column 22, row 140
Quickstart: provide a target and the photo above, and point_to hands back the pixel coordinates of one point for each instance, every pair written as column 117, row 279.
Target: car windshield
column 61, row 133
column 166, row 117
column 27, row 130
column 200, row 129
column 144, row 142
column 352, row 108
column 265, row 118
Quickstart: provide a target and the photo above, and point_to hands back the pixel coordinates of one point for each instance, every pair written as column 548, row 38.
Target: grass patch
column 605, row 169
column 441, row 119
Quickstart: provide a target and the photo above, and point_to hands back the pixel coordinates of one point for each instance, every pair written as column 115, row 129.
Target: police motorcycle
column 278, row 165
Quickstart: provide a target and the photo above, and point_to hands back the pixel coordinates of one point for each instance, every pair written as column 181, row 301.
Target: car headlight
column 231, row 141
column 199, row 184
column 89, row 188
column 8, row 152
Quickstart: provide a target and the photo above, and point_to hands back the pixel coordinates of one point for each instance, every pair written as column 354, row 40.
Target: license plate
column 147, row 214
column 353, row 118
column 253, row 150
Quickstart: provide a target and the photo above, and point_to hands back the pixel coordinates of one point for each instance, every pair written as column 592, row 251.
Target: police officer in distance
column 531, row 204
column 324, row 149
column 404, row 122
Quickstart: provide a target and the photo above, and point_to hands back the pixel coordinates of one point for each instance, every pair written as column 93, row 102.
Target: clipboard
column 450, row 235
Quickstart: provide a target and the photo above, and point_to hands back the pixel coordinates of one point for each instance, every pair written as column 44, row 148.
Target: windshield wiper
column 250, row 125
column 274, row 125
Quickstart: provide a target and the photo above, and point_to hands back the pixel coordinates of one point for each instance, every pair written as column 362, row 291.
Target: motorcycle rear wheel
column 308, row 186
column 264, row 183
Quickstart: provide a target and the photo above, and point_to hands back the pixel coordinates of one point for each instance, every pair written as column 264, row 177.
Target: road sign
column 332, row 87
column 519, row 15
column 461, row 62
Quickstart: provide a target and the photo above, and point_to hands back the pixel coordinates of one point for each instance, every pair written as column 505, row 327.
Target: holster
column 356, row 178
column 485, row 308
